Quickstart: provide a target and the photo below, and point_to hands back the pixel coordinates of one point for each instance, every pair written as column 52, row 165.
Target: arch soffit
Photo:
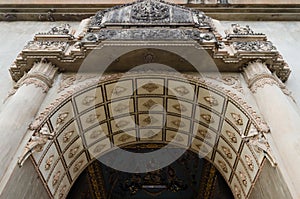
column 217, row 119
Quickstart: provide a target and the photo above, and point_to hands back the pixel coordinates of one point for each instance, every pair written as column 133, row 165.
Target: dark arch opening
column 189, row 177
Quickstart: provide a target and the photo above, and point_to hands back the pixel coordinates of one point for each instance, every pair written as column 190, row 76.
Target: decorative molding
column 238, row 30
column 254, row 46
column 36, row 144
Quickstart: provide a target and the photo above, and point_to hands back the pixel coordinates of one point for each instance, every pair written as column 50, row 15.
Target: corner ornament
column 35, row 144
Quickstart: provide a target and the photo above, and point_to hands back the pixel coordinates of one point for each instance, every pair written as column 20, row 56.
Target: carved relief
column 62, row 191
column 237, row 119
column 73, row 151
column 147, row 11
column 231, row 136
column 149, row 103
column 36, row 144
column 236, row 29
column 49, row 162
column 88, row 100
column 61, row 118
column 99, row 148
column 254, row 46
column 77, row 166
column 249, row 162
column 92, row 118
column 227, row 152
column 55, row 178
column 46, row 45
column 237, row 191
column 212, row 101
column 207, row 118
column 118, row 90
column 180, row 107
column 96, row 134
column 243, row 178
column 223, row 166
column 178, row 123
column 67, row 136
column 182, row 90
column 63, row 29
column 204, row 134
column 150, row 87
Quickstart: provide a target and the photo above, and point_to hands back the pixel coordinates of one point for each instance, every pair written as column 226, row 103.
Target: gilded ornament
column 67, row 136
column 212, row 101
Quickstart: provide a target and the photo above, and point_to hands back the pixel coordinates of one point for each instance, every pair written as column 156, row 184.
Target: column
column 282, row 118
column 19, row 111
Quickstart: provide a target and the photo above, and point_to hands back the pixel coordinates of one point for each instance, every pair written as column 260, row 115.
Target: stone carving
column 149, row 104
column 61, row 118
column 150, row 87
column 178, row 123
column 67, row 136
column 207, row 118
column 237, row 191
column 63, row 29
column 212, row 101
column 55, row 178
column 204, row 134
column 120, row 108
column 260, row 144
column 118, row 90
column 122, row 123
column 231, row 136
column 227, row 152
column 92, row 118
column 46, row 45
column 36, row 144
column 236, row 29
column 182, row 90
column 149, row 11
column 77, row 166
column 62, row 191
column 223, row 166
column 97, row 19
column 49, row 162
column 95, row 134
column 249, row 162
column 243, row 178
column 73, row 151
column 124, row 137
column 88, row 100
column 253, row 46
column 237, row 119
column 99, row 148
column 180, row 107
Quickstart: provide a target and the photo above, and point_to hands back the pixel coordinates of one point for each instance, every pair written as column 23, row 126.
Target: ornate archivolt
column 214, row 124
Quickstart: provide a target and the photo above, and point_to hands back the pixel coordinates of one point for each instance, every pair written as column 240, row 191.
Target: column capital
column 257, row 75
column 41, row 75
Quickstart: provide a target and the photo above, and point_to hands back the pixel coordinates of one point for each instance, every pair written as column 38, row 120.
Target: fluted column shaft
column 282, row 118
column 18, row 113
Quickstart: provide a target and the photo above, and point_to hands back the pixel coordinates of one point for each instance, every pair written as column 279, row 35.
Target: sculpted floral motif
column 212, row 101
column 178, row 123
column 149, row 104
column 237, row 191
column 67, row 136
column 237, row 29
column 204, row 134
column 49, row 162
column 150, row 87
column 73, row 151
column 182, row 90
column 243, row 178
column 55, row 178
column 207, row 118
column 253, row 46
column 88, row 100
column 249, row 162
column 46, row 45
column 237, row 119
column 99, row 148
column 63, row 29
column 231, row 136
column 227, row 152
column 150, row 11
column 77, row 166
column 223, row 166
